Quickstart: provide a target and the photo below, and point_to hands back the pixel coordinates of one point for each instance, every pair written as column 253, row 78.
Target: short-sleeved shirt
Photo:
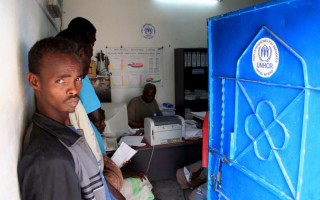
column 138, row 109
column 99, row 139
column 88, row 96
column 91, row 102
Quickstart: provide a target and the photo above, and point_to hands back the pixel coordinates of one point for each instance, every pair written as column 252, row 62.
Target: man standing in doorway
column 56, row 161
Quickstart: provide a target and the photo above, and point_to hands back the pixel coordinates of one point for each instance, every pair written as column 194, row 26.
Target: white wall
column 119, row 22
column 22, row 23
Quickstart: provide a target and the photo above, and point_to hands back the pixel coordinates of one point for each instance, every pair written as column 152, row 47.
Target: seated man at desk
column 143, row 106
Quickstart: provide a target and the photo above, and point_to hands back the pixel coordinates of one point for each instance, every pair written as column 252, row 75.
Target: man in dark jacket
column 56, row 161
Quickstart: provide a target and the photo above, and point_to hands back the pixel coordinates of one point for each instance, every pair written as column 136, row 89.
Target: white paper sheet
column 123, row 154
column 132, row 141
column 199, row 115
column 187, row 174
column 192, row 132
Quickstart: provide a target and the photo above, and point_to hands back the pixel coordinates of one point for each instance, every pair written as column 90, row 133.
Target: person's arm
column 115, row 193
column 53, row 179
column 134, row 124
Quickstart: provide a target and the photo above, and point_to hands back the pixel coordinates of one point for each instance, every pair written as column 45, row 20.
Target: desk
column 166, row 159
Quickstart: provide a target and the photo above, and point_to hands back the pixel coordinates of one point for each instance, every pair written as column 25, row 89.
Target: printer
column 163, row 129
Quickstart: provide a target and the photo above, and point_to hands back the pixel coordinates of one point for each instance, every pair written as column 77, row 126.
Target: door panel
column 264, row 99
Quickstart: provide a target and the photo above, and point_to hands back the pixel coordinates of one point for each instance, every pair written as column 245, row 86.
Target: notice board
column 134, row 67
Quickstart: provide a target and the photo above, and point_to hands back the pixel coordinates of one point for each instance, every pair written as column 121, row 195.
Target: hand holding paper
column 123, row 154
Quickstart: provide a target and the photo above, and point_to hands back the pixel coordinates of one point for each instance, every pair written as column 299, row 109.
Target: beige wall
column 119, row 22
column 22, row 23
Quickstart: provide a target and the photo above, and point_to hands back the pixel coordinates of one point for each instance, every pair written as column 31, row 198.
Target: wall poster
column 134, row 67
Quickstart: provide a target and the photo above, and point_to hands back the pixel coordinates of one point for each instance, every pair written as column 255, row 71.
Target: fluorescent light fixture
column 207, row 2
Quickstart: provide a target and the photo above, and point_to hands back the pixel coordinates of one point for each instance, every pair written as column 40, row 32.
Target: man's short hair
column 82, row 39
column 81, row 24
column 49, row 45
column 150, row 86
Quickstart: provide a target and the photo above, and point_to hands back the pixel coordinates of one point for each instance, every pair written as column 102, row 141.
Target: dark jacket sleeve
column 43, row 178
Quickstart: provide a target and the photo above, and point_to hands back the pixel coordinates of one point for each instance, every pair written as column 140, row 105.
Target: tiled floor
column 169, row 190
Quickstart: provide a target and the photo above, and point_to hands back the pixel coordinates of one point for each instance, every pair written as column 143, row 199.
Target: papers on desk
column 123, row 154
column 132, row 141
column 199, row 115
column 192, row 131
column 132, row 131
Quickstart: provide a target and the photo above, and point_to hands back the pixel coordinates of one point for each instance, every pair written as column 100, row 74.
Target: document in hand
column 123, row 154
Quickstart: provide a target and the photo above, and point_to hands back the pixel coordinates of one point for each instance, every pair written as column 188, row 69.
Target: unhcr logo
column 265, row 53
column 148, row 31
column 265, row 57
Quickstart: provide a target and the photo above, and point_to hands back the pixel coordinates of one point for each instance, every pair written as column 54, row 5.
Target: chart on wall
column 134, row 67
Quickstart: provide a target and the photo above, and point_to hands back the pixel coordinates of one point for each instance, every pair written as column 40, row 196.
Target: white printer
column 163, row 129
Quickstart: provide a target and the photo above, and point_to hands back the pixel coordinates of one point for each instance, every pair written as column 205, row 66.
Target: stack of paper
column 199, row 115
column 191, row 130
column 132, row 141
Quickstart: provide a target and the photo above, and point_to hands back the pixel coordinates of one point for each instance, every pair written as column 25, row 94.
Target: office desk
column 165, row 159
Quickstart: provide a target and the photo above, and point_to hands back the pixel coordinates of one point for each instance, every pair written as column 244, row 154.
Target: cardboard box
column 93, row 69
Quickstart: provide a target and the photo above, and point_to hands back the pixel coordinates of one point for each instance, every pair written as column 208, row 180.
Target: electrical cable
column 150, row 159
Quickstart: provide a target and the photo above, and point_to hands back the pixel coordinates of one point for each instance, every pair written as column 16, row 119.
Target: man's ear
column 33, row 80
column 81, row 52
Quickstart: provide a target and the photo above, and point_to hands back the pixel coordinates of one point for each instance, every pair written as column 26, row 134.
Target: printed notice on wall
column 134, row 67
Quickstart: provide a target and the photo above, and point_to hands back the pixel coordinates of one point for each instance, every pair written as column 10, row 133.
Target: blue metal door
column 264, row 100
